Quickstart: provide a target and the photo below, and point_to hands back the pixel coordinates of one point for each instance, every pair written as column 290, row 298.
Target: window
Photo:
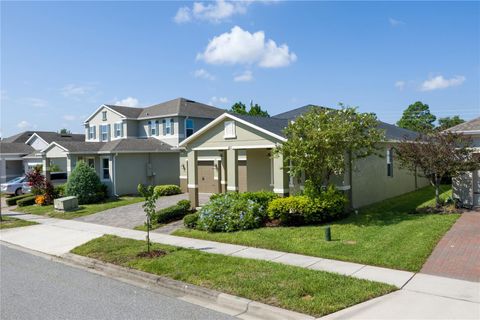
column 91, row 133
column 118, row 130
column 104, row 132
column 153, row 127
column 188, row 127
column 105, row 169
column 91, row 162
column 167, row 126
column 229, row 129
column 104, row 115
column 390, row 162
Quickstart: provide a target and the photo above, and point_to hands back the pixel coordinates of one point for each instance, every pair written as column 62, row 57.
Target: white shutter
column 229, row 131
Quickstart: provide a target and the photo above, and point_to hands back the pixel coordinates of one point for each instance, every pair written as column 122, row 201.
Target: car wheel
column 18, row 192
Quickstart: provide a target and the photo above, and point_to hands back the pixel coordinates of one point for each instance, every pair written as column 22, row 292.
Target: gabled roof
column 129, row 145
column 273, row 125
column 47, row 136
column 292, row 114
column 472, row 125
column 176, row 107
column 15, row 148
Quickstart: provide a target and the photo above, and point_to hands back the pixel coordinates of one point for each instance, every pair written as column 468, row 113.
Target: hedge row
column 172, row 213
column 167, row 190
column 27, row 201
column 13, row 200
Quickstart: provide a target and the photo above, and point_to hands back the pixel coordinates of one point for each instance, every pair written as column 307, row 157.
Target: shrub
column 167, row 190
column 190, row 220
column 27, row 201
column 230, row 212
column 60, row 190
column 297, row 210
column 263, row 198
column 84, row 183
column 172, row 213
column 13, row 200
column 36, row 180
column 40, row 200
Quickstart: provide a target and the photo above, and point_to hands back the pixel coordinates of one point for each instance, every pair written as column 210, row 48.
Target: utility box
column 66, row 203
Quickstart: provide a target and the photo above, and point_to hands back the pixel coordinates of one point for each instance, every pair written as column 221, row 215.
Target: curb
column 232, row 305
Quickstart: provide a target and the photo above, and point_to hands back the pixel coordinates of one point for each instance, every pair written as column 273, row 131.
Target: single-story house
column 239, row 149
column 466, row 187
column 20, row 152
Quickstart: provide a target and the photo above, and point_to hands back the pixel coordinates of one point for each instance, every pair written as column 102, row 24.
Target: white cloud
column 203, row 74
column 69, row 117
column 395, row 22
column 24, row 125
column 218, row 100
column 128, row 102
column 439, row 82
column 35, row 102
column 400, row 85
column 73, row 90
column 242, row 47
column 214, row 12
column 244, row 77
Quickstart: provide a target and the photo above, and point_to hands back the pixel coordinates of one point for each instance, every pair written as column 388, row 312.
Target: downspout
column 115, row 175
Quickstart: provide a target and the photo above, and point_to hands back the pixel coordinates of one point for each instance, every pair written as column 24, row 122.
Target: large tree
column 417, row 117
column 255, row 109
column 437, row 155
column 239, row 108
column 322, row 141
column 448, row 122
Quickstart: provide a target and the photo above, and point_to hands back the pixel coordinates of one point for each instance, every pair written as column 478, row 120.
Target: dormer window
column 104, row 115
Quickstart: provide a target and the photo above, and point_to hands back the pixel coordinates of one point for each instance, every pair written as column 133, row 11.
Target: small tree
column 36, row 180
column 322, row 141
column 417, row 117
column 239, row 108
column 64, row 131
column 85, row 184
column 437, row 155
column 149, row 207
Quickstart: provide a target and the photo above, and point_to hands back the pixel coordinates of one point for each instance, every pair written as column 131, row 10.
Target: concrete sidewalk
column 57, row 236
column 422, row 296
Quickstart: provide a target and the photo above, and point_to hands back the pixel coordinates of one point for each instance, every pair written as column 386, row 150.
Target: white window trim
column 233, row 133
column 102, row 168
column 101, row 132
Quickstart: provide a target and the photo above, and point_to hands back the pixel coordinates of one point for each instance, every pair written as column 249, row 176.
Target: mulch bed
column 152, row 254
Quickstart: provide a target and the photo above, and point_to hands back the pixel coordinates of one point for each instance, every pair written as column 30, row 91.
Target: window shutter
column 164, row 125
column 121, row 129
column 94, row 132
column 171, row 126
column 108, row 132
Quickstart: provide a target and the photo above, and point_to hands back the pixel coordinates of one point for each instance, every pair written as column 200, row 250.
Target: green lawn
column 84, row 210
column 9, row 222
column 314, row 292
column 384, row 234
column 143, row 227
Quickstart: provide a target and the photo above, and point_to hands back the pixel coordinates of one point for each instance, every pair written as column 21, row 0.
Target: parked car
column 14, row 186
column 56, row 178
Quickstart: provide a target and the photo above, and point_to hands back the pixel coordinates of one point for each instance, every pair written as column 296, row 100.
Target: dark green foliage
column 417, row 117
column 173, row 213
column 27, row 201
column 13, row 200
column 263, row 198
column 300, row 210
column 85, row 184
column 255, row 109
column 190, row 220
column 448, row 122
column 167, row 190
column 60, row 190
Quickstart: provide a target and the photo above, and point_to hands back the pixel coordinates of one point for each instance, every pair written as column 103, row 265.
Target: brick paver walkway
column 457, row 255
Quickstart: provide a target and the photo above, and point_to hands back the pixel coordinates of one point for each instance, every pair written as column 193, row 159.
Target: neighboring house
column 128, row 146
column 466, row 187
column 231, row 136
column 20, row 152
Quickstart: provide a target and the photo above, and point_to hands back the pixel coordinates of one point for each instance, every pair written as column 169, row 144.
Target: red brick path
column 457, row 255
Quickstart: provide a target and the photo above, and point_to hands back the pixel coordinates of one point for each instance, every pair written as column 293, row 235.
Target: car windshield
column 16, row 180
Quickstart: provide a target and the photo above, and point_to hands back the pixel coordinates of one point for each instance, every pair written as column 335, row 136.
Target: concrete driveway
column 133, row 215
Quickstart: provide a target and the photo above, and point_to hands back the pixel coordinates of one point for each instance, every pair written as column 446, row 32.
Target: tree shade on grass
column 314, row 292
column 384, row 234
column 84, row 210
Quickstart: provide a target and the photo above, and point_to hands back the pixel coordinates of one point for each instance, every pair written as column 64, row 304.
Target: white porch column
column 223, row 172
column 69, row 165
column 46, row 167
column 193, row 178
column 281, row 177
column 232, row 170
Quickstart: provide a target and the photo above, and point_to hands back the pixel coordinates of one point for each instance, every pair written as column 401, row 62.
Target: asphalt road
column 32, row 287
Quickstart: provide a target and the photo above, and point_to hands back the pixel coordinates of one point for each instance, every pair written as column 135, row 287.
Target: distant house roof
column 129, row 145
column 294, row 113
column 48, row 136
column 273, row 125
column 471, row 125
column 17, row 148
column 177, row 107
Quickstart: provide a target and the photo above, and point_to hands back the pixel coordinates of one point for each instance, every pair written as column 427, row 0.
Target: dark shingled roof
column 121, row 145
column 273, row 125
column 473, row 124
column 15, row 148
column 176, row 107
column 392, row 132
column 48, row 136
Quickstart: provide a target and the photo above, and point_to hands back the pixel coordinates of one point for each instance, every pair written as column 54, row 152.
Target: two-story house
column 127, row 146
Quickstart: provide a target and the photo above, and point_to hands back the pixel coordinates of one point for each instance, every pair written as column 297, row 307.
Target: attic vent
column 191, row 101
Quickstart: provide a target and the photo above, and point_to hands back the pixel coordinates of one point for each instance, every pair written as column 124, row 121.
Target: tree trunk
column 437, row 191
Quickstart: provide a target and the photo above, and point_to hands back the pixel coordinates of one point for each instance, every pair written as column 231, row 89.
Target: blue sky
column 61, row 60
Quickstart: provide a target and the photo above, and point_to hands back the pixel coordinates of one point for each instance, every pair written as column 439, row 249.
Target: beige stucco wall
column 372, row 184
column 131, row 169
column 96, row 120
column 56, row 152
column 259, row 170
column 37, row 143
